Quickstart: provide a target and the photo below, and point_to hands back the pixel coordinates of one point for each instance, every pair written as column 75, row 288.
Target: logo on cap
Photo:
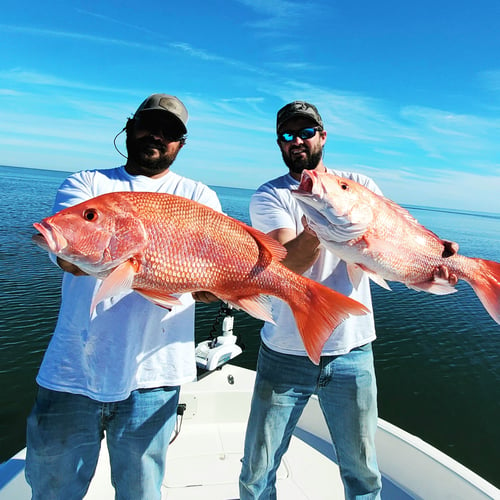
column 298, row 109
column 167, row 103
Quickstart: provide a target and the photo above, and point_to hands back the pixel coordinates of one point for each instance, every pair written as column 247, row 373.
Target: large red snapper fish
column 373, row 234
column 161, row 245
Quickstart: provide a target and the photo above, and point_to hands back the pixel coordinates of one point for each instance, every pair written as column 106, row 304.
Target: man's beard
column 140, row 152
column 298, row 164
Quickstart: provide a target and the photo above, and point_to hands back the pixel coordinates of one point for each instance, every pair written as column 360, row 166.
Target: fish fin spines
column 275, row 248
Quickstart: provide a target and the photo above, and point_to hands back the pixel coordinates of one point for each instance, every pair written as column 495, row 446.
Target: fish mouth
column 308, row 187
column 306, row 183
column 306, row 191
column 50, row 238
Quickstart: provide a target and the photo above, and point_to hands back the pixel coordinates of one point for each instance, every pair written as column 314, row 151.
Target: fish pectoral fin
column 379, row 280
column 159, row 298
column 437, row 286
column 258, row 306
column 355, row 273
column 118, row 281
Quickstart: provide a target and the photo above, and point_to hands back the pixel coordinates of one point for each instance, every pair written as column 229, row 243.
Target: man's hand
column 70, row 268
column 307, row 227
column 442, row 272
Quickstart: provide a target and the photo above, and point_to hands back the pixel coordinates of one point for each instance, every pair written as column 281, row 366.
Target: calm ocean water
column 437, row 358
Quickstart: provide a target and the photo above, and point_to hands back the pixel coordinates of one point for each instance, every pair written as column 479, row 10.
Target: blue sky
column 409, row 91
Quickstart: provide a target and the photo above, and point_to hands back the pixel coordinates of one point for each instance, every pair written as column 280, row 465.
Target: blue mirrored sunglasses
column 305, row 133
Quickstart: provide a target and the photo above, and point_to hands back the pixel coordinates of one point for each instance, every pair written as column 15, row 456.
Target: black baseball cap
column 168, row 104
column 296, row 109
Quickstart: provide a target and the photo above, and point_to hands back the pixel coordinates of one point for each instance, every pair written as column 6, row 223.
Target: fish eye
column 344, row 186
column 90, row 214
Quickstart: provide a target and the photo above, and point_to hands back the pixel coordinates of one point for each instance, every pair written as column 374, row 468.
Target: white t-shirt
column 129, row 343
column 273, row 207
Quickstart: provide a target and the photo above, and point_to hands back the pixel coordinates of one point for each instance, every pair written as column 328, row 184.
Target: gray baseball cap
column 167, row 103
column 296, row 109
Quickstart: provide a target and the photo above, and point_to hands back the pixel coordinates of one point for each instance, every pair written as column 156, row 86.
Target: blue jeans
column 64, row 436
column 347, row 393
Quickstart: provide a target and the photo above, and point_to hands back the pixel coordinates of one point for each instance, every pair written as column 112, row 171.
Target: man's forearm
column 303, row 252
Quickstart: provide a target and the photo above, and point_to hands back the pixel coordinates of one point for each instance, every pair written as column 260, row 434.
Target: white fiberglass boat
column 204, row 459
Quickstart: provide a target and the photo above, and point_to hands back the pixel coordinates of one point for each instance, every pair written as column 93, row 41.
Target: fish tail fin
column 486, row 284
column 318, row 312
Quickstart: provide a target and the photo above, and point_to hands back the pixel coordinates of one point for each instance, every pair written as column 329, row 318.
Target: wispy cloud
column 445, row 133
column 172, row 47
column 204, row 55
column 72, row 35
column 281, row 15
column 34, row 78
column 10, row 92
column 437, row 188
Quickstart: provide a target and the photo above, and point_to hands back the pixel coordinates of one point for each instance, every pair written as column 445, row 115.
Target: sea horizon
column 405, row 205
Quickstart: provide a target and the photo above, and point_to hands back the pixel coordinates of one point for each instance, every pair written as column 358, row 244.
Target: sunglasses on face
column 156, row 124
column 305, row 133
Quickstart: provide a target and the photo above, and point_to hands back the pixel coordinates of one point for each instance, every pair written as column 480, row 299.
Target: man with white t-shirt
column 344, row 380
column 118, row 371
column 286, row 378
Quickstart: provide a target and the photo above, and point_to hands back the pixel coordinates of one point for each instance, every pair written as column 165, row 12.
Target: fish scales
column 162, row 245
column 375, row 235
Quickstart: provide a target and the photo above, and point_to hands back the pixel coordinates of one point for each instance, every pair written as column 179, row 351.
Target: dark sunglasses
column 156, row 124
column 305, row 133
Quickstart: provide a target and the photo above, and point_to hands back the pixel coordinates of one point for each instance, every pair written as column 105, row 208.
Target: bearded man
column 119, row 371
column 286, row 378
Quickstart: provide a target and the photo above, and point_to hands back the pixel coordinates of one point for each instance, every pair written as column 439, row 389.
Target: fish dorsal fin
column 118, row 281
column 403, row 212
column 449, row 247
column 275, row 248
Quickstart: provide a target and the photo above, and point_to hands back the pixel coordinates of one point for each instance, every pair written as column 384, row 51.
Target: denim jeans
column 64, row 436
column 347, row 394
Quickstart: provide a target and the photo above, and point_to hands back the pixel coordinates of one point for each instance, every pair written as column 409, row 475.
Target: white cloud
column 281, row 15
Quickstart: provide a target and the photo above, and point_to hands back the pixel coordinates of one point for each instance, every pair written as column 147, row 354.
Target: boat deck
column 204, row 459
